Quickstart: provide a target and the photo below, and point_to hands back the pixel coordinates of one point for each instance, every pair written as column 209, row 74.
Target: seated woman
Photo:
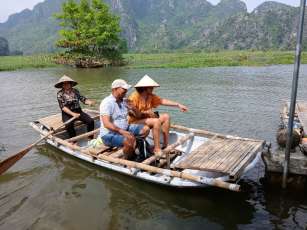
column 141, row 104
column 68, row 98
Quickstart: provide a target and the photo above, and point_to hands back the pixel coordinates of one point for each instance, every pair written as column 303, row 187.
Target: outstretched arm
column 90, row 102
column 167, row 102
column 83, row 99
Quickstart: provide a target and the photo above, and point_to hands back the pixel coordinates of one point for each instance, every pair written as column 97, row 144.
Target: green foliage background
column 89, row 28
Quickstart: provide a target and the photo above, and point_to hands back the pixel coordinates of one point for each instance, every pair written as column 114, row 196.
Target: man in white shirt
column 115, row 130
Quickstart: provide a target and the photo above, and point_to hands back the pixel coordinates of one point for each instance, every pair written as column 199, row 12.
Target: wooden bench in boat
column 225, row 155
column 55, row 121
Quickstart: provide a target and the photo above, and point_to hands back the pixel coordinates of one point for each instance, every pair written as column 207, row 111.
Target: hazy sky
column 9, row 7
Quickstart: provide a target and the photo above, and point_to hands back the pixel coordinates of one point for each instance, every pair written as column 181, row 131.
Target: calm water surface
column 49, row 190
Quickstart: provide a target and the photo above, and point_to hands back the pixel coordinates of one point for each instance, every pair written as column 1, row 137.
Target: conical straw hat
column 65, row 79
column 146, row 81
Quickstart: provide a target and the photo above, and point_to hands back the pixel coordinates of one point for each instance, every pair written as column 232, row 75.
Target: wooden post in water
column 294, row 92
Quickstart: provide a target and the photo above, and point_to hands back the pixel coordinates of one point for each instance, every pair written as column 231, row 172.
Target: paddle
column 7, row 163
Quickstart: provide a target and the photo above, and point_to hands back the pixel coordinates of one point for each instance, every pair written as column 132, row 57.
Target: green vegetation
column 224, row 58
column 89, row 30
column 8, row 63
column 171, row 60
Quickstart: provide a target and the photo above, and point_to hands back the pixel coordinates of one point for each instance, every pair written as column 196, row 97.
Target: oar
column 9, row 162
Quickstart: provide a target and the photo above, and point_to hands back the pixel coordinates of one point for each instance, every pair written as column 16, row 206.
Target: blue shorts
column 113, row 139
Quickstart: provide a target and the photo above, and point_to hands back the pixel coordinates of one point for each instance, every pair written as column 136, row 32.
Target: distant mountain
column 4, row 47
column 33, row 31
column 270, row 26
column 163, row 25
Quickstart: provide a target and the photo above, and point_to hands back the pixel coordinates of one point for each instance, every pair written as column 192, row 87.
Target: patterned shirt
column 70, row 100
column 117, row 111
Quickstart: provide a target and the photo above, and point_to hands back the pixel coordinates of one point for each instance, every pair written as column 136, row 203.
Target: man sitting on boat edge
column 115, row 130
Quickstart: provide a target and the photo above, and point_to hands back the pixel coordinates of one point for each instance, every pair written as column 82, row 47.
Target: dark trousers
column 85, row 118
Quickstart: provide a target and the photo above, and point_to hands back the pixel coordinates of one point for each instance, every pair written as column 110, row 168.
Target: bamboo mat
column 229, row 156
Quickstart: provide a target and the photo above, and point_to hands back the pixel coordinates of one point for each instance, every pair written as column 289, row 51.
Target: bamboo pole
column 148, row 168
column 294, row 92
column 169, row 148
column 208, row 134
column 117, row 154
column 167, row 172
column 98, row 150
column 84, row 135
column 199, row 132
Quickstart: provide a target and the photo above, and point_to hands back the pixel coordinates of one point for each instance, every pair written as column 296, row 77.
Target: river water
column 49, row 190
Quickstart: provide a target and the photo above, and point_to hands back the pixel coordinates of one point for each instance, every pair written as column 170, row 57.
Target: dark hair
column 140, row 89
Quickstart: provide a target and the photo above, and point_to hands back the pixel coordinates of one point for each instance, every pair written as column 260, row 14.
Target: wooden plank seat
column 228, row 156
column 55, row 121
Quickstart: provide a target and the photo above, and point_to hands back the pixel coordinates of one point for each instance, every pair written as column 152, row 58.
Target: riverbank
column 224, row 58
column 170, row 60
column 9, row 63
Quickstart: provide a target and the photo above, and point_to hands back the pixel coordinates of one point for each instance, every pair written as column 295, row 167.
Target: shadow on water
column 135, row 203
column 129, row 203
column 288, row 207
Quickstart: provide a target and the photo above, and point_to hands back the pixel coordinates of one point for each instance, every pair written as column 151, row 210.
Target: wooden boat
column 194, row 158
column 274, row 161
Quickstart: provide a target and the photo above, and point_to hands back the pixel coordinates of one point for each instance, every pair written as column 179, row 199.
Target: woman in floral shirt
column 68, row 99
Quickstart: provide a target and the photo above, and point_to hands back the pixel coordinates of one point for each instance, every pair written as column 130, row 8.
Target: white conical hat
column 146, row 81
column 65, row 79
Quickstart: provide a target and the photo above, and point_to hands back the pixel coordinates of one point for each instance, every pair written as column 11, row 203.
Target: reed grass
column 209, row 59
column 8, row 63
column 170, row 60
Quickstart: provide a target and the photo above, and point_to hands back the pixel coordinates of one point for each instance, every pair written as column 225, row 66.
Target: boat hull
column 147, row 176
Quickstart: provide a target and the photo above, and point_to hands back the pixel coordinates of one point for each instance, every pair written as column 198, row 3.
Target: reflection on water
column 49, row 190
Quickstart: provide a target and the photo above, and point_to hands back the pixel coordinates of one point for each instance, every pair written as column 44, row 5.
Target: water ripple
column 48, row 190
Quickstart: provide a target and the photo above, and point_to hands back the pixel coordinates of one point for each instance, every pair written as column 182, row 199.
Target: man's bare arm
column 110, row 126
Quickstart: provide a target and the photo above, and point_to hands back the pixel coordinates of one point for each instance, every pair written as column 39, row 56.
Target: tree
column 4, row 47
column 89, row 29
